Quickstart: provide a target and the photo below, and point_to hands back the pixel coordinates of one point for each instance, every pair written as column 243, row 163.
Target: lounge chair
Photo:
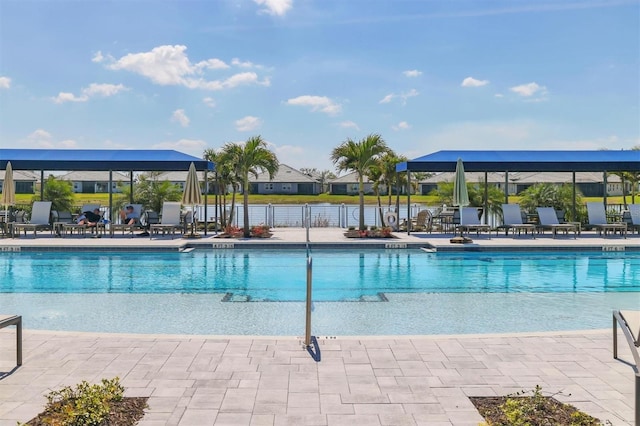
column 512, row 219
column 125, row 227
column 169, row 221
column 598, row 220
column 629, row 322
column 40, row 219
column 634, row 217
column 469, row 221
column 63, row 223
column 549, row 220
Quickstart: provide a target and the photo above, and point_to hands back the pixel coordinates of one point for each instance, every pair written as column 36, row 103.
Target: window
column 268, row 186
column 286, row 187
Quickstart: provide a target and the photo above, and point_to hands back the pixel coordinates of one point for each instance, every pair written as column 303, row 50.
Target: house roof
column 180, row 176
column 20, row 175
column 285, row 174
column 525, row 177
column 349, row 178
column 100, row 160
column 80, row 176
column 525, row 161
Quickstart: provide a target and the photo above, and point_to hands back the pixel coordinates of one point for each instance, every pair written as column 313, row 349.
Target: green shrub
column 86, row 405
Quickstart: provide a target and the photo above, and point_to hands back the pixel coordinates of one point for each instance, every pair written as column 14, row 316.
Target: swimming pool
column 355, row 291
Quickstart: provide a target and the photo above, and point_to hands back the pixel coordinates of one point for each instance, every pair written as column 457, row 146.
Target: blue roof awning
column 100, row 160
column 526, row 161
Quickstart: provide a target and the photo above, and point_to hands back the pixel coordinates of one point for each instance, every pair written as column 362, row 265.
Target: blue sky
column 307, row 74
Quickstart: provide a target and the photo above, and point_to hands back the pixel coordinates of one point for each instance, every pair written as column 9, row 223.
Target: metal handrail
column 618, row 319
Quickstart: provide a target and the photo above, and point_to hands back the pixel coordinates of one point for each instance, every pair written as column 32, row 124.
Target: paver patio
column 250, row 380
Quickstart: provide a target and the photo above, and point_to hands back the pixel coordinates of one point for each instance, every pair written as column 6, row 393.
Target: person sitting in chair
column 128, row 216
column 89, row 218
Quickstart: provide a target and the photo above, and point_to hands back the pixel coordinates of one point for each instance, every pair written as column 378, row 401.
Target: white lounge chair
column 512, row 219
column 169, row 221
column 137, row 209
column 40, row 219
column 469, row 221
column 598, row 220
column 634, row 212
column 549, row 220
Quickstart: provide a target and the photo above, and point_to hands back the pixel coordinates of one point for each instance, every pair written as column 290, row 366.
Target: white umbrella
column 8, row 191
column 192, row 194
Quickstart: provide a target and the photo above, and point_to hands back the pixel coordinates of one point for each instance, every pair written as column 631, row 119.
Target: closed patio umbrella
column 192, row 194
column 460, row 197
column 8, row 191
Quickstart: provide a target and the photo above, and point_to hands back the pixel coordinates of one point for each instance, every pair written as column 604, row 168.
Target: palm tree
column 358, row 157
column 224, row 178
column 252, row 157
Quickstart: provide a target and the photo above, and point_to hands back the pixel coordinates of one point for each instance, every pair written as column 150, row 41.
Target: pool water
column 354, row 292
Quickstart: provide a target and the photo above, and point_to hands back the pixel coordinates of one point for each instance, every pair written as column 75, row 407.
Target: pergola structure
column 525, row 161
column 103, row 160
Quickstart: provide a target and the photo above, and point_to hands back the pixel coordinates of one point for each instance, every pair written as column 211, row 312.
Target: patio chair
column 634, row 217
column 469, row 221
column 40, row 219
column 169, row 220
column 549, row 220
column 422, row 222
column 512, row 219
column 598, row 220
column 63, row 223
column 125, row 227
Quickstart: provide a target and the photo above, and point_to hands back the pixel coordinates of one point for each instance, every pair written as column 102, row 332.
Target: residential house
column 286, row 181
column 24, row 180
column 348, row 185
column 90, row 182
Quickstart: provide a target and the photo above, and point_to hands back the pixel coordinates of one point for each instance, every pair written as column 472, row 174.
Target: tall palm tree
column 358, row 157
column 252, row 157
column 223, row 179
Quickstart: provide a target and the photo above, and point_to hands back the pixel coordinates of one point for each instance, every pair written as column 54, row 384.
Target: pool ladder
column 310, row 342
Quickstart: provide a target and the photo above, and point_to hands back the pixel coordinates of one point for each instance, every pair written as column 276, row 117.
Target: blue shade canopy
column 526, row 161
column 100, row 160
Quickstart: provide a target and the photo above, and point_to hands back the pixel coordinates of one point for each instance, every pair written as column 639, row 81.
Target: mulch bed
column 127, row 412
column 551, row 413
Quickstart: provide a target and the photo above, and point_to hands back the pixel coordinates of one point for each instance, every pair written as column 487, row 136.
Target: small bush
column 86, row 405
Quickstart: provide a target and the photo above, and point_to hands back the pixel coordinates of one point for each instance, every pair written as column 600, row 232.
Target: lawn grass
column 103, row 199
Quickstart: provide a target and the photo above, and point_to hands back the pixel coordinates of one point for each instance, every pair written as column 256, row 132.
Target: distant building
column 85, row 182
column 348, row 185
column 179, row 178
column 24, row 180
column 590, row 184
column 286, row 181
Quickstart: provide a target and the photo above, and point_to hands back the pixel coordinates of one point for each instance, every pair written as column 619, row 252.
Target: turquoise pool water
column 358, row 292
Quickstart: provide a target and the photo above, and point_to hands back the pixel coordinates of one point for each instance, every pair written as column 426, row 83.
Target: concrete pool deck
column 373, row 380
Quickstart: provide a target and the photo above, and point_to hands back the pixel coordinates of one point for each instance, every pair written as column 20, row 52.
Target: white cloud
column 98, row 57
column 317, row 103
column 404, row 96
column 193, row 147
column 170, row 66
column 209, row 102
column 403, row 125
column 472, row 82
column 44, row 140
column 412, row 73
column 349, row 125
column 243, row 64
column 5, row 83
column 387, row 99
column 275, row 7
column 529, row 89
column 248, row 123
column 498, row 95
column 180, row 117
column 94, row 89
